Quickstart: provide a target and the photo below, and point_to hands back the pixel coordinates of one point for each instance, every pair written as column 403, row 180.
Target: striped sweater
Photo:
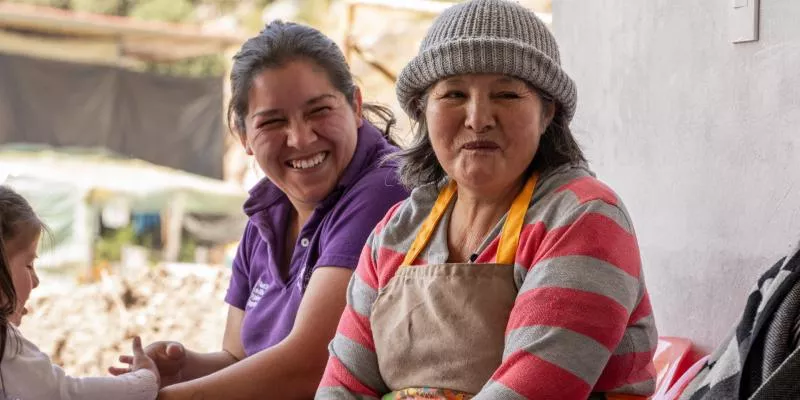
column 581, row 323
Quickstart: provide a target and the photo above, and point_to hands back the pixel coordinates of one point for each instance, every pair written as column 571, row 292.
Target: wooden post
column 85, row 231
column 348, row 31
column 174, row 221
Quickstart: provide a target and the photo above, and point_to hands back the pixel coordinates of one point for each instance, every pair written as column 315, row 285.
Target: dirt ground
column 84, row 331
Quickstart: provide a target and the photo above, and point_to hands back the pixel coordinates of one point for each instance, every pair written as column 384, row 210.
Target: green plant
column 212, row 65
column 188, row 248
column 110, row 7
column 162, row 10
column 108, row 247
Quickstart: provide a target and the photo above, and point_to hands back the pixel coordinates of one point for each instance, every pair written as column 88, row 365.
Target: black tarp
column 171, row 121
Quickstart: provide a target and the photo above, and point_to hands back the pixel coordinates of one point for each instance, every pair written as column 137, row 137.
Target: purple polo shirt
column 333, row 237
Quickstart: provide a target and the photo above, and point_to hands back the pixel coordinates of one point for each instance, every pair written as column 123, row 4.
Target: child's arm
column 29, row 374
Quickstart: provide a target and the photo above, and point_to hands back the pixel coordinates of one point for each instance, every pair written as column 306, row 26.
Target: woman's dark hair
column 557, row 146
column 281, row 43
column 16, row 218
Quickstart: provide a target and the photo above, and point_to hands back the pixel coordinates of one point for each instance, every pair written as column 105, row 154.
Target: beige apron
column 441, row 328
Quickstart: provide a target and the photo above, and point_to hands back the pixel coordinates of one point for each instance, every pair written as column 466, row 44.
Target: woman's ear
column 237, row 128
column 548, row 114
column 358, row 103
column 245, row 144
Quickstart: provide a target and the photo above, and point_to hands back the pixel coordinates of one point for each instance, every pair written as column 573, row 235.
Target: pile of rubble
column 86, row 329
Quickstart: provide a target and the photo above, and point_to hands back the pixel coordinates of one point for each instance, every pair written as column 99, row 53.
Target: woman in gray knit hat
column 511, row 272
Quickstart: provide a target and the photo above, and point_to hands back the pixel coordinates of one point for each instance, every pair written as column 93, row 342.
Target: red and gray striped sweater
column 581, row 323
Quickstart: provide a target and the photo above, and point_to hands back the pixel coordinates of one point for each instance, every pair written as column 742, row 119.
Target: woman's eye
column 320, row 111
column 507, row 95
column 454, row 94
column 270, row 123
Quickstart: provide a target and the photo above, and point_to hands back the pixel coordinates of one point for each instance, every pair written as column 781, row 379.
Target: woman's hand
column 169, row 358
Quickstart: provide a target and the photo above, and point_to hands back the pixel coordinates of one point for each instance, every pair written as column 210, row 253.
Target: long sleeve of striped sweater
column 581, row 322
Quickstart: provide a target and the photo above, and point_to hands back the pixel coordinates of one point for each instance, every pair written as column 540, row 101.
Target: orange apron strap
column 425, row 232
column 614, row 396
column 509, row 237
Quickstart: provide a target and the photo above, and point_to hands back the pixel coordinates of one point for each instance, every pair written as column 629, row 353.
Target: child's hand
column 169, row 357
column 139, row 360
column 142, row 361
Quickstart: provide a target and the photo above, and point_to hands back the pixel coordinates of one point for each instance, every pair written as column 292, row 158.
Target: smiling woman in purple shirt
column 296, row 109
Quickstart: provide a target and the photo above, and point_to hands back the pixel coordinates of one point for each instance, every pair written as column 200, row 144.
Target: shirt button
column 304, row 242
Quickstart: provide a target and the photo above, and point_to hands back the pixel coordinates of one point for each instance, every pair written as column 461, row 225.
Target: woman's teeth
column 309, row 162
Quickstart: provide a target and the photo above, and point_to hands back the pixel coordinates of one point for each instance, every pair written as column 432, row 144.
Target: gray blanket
column 761, row 358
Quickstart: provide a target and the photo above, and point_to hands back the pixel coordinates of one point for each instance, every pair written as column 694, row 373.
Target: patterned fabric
column 581, row 322
column 761, row 358
column 426, row 394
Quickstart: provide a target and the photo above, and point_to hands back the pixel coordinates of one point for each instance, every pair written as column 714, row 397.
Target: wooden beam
column 164, row 38
column 374, row 63
column 416, row 6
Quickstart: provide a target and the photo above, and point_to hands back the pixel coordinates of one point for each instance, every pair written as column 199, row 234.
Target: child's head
column 20, row 230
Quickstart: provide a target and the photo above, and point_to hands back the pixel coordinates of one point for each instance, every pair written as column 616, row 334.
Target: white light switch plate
column 744, row 20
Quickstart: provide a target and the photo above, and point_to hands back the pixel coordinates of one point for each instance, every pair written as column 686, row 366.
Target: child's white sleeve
column 29, row 374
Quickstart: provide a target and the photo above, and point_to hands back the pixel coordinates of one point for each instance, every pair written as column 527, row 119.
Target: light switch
column 744, row 20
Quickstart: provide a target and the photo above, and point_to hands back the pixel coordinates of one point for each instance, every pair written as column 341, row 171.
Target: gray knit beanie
column 487, row 36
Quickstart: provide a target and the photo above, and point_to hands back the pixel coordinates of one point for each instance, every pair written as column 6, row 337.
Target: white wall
column 699, row 136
